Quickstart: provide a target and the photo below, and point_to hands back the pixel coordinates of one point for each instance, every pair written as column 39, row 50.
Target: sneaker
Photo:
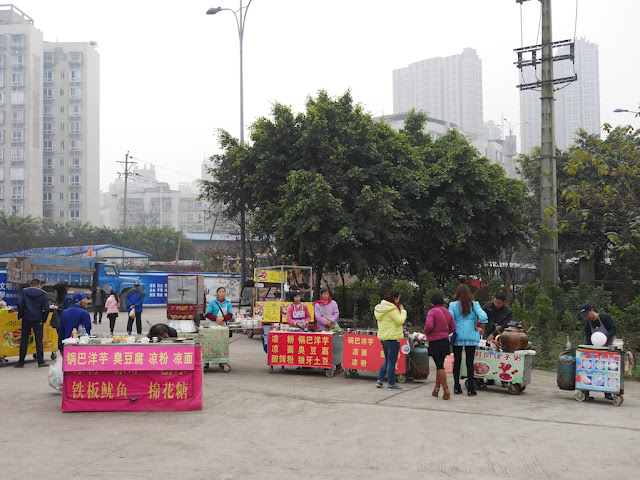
column 94, row 322
column 19, row 365
column 394, row 387
column 43, row 364
column 378, row 384
column 100, row 322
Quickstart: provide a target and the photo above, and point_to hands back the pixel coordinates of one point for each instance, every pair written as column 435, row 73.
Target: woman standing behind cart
column 438, row 326
column 391, row 317
column 112, row 305
column 219, row 309
column 298, row 314
column 326, row 311
column 466, row 313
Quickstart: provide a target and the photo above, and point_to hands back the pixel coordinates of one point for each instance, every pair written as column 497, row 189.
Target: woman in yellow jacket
column 391, row 317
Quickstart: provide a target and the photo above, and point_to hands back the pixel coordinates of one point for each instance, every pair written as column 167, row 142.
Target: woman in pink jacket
column 298, row 314
column 326, row 311
column 112, row 305
column 438, row 326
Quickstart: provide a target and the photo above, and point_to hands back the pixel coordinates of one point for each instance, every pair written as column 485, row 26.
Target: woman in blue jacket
column 466, row 314
column 219, row 309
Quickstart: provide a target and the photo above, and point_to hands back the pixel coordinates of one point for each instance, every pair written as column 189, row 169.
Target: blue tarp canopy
column 68, row 251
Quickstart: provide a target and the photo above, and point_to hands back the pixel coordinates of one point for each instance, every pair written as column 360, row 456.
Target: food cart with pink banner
column 132, row 377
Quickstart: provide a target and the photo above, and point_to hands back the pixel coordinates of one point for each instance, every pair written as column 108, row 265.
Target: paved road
column 300, row 424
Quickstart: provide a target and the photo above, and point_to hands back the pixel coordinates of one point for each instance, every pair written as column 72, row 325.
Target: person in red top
column 298, row 314
column 438, row 326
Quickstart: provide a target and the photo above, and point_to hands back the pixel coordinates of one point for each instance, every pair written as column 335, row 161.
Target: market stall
column 508, row 369
column 214, row 344
column 363, row 352
column 599, row 369
column 11, row 329
column 165, row 376
column 304, row 349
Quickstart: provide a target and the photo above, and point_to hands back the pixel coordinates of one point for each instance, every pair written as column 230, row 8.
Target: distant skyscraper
column 577, row 105
column 448, row 88
column 49, row 124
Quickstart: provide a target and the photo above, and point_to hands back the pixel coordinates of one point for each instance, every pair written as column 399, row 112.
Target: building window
column 1, row 98
column 62, row 126
column 74, row 180
column 61, row 196
column 17, row 210
column 2, row 61
column 17, row 173
column 17, row 136
column 47, row 110
column 1, row 193
column 47, row 163
column 3, row 43
column 75, row 93
column 47, row 77
column 61, row 178
column 17, row 117
column 61, row 215
column 74, row 162
column 75, row 76
column 62, row 109
column 62, row 92
column 17, row 154
column 1, row 174
column 62, row 162
column 74, row 215
column 48, row 58
column 75, row 57
column 47, row 93
column 17, row 98
column 47, row 181
column 1, row 136
column 17, row 79
column 1, row 155
column 17, row 41
column 74, row 110
column 17, row 61
column 17, row 192
column 74, row 197
column 74, row 127
column 62, row 75
column 47, row 198
column 47, row 214
column 75, row 145
column 47, row 127
column 47, row 145
column 1, row 78
column 61, row 144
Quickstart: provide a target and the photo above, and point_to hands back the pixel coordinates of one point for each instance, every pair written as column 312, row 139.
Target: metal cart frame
column 595, row 355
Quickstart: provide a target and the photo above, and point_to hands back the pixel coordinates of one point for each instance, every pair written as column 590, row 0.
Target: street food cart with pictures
column 508, row 369
column 304, row 350
column 11, row 329
column 129, row 376
column 214, row 344
column 600, row 369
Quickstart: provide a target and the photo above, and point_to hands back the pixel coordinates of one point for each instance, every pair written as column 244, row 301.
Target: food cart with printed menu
column 273, row 287
column 165, row 376
column 304, row 349
column 599, row 369
column 363, row 352
column 214, row 344
column 508, row 369
column 11, row 329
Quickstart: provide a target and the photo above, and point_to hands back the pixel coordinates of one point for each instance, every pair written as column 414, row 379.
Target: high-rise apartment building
column 448, row 88
column 577, row 105
column 49, row 123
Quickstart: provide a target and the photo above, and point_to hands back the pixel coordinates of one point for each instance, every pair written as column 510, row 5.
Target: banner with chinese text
column 497, row 366
column 364, row 352
column 299, row 349
column 214, row 343
column 128, row 357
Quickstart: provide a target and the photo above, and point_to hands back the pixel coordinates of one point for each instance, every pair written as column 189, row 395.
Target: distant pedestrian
column 33, row 309
column 391, row 317
column 113, row 307
column 62, row 302
column 134, row 302
column 438, row 326
column 98, row 297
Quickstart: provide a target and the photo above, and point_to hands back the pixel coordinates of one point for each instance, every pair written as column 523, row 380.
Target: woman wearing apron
column 298, row 314
column 598, row 322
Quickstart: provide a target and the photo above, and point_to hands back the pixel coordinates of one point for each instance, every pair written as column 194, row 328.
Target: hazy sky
column 170, row 73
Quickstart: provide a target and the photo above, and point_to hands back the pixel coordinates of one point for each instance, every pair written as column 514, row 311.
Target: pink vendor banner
column 92, row 358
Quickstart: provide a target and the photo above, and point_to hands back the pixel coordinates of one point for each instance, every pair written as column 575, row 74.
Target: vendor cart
column 304, row 349
column 507, row 369
column 11, row 329
column 214, row 343
column 363, row 352
column 599, row 369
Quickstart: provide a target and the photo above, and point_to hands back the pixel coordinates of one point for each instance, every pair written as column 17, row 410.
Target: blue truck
column 79, row 274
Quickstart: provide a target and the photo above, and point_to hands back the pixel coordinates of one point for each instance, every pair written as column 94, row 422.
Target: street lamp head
column 214, row 10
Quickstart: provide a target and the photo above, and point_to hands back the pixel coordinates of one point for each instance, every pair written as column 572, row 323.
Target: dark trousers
column 37, row 327
column 469, row 353
column 112, row 320
column 138, row 323
column 97, row 309
column 388, row 367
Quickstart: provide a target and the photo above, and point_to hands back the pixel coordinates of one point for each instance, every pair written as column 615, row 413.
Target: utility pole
column 128, row 166
column 548, row 184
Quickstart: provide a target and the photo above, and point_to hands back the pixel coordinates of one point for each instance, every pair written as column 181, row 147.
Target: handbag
column 454, row 335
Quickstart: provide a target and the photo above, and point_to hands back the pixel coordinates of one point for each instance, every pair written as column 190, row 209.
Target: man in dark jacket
column 33, row 309
column 98, row 297
column 134, row 301
column 499, row 316
column 75, row 316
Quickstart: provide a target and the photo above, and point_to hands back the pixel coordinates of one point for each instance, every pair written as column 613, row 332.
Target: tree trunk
column 316, row 288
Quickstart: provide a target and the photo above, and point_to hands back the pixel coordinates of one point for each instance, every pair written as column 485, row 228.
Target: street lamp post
column 624, row 110
column 241, row 15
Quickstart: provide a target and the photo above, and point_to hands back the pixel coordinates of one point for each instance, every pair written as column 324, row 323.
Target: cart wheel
column 514, row 388
column 3, row 362
column 523, row 387
column 401, row 378
column 206, row 365
column 329, row 373
column 617, row 400
column 270, row 368
column 580, row 396
column 479, row 382
column 250, row 334
column 225, row 367
column 53, row 355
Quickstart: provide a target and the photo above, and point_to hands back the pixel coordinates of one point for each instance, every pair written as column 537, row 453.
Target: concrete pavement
column 301, row 424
